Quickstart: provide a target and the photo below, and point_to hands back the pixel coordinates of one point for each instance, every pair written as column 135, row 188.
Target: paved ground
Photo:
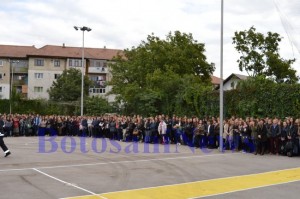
column 102, row 167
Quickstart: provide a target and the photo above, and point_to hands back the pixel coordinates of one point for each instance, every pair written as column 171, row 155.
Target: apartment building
column 4, row 78
column 99, row 73
column 14, row 69
column 44, row 65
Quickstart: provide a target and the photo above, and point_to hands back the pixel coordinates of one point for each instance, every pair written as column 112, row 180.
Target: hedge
column 253, row 98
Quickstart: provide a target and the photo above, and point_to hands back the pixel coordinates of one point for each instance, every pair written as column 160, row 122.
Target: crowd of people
column 249, row 135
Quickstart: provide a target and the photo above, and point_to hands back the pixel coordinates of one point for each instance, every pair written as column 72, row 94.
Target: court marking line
column 223, row 178
column 107, row 194
column 252, row 174
column 67, row 183
column 258, row 187
column 118, row 162
column 84, row 196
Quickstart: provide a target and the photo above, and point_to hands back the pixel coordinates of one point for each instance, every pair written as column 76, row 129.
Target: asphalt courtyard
column 89, row 168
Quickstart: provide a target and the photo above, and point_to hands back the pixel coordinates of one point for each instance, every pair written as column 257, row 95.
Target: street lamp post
column 221, row 82
column 11, row 62
column 83, row 28
column 11, row 86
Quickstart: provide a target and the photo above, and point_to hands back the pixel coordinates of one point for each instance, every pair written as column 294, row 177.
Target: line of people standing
column 258, row 136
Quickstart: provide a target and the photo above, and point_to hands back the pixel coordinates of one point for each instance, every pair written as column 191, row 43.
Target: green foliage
column 148, row 79
column 15, row 95
column 68, row 86
column 260, row 97
column 97, row 106
column 260, row 56
column 194, row 98
column 4, row 106
column 92, row 106
column 256, row 97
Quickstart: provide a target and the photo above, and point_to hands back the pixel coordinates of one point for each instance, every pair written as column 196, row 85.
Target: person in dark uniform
column 274, row 137
column 211, row 134
column 261, row 137
column 2, row 144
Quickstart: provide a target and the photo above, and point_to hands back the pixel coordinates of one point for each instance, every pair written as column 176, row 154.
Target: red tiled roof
column 215, row 80
column 75, row 52
column 10, row 51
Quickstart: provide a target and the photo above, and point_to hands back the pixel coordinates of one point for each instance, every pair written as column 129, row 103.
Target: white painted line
column 120, row 162
column 132, row 161
column 67, row 183
column 88, row 195
column 170, row 185
column 23, row 169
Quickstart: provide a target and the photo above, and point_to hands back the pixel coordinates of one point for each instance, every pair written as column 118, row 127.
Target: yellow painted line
column 206, row 187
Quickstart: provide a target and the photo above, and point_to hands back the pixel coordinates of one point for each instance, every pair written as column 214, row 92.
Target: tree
column 147, row 78
column 68, row 86
column 260, row 56
column 97, row 106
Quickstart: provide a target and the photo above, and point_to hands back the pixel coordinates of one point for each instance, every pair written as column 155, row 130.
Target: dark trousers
column 197, row 141
column 2, row 144
column 236, row 141
column 41, row 131
column 35, row 129
column 211, row 141
column 95, row 132
column 178, row 136
column 261, row 145
column 189, row 139
column 274, row 145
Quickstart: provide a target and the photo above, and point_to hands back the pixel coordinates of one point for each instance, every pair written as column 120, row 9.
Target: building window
column 75, row 62
column 104, row 64
column 1, row 62
column 38, row 75
column 97, row 90
column 56, row 76
column 56, row 63
column 93, row 78
column 0, row 89
column 38, row 89
column 39, row 62
column 98, row 64
column 1, row 75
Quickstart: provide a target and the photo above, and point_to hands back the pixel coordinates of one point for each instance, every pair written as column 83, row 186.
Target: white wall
column 5, row 91
column 110, row 98
column 228, row 84
column 45, row 82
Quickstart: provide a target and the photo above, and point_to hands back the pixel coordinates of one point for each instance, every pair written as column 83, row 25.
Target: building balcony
column 97, row 91
column 20, row 69
column 98, row 70
column 20, row 82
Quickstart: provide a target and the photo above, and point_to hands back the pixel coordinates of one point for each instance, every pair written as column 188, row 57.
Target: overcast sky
column 122, row 24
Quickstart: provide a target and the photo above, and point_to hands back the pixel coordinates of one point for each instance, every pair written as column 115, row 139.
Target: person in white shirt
column 162, row 130
column 90, row 126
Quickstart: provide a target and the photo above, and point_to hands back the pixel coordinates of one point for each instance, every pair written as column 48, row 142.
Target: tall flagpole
column 221, row 82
